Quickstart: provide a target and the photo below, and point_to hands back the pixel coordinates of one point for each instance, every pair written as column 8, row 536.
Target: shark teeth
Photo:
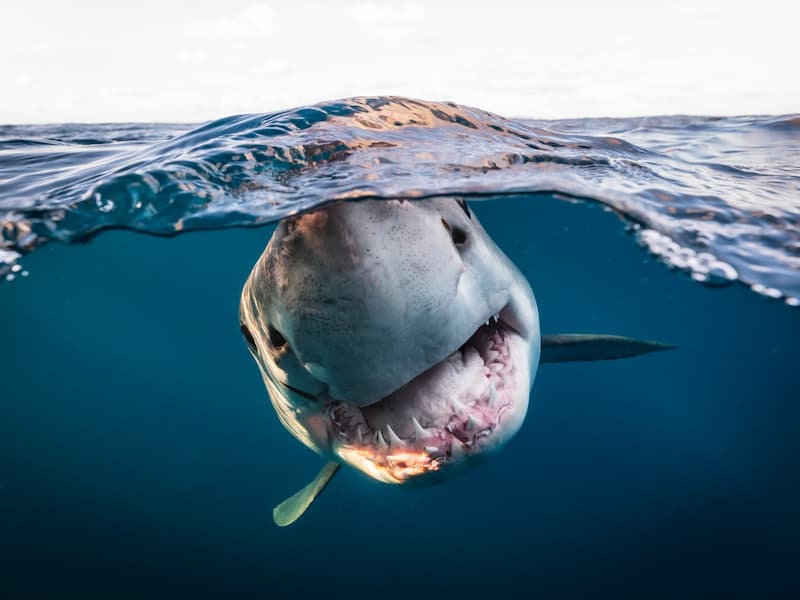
column 420, row 433
column 380, row 441
column 494, row 398
column 459, row 407
column 458, row 419
column 394, row 439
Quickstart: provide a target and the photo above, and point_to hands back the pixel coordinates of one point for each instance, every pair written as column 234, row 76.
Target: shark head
column 393, row 336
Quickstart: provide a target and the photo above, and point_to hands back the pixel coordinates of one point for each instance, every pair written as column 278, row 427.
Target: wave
column 719, row 197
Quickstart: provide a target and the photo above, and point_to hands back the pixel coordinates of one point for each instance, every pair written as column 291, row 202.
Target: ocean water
column 138, row 450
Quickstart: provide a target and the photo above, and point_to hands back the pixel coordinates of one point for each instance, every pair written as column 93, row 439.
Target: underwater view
column 140, row 453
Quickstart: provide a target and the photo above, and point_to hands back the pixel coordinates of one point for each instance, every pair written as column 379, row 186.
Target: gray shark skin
column 395, row 336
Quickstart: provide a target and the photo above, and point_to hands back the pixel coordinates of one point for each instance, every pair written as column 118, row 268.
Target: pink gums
column 440, row 416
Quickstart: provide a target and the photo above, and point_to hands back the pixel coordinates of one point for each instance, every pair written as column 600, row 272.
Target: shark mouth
column 467, row 404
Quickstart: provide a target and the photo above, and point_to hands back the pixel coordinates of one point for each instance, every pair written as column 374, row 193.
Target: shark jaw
column 465, row 406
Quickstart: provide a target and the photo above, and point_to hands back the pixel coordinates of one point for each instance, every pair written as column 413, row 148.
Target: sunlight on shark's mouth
column 451, row 410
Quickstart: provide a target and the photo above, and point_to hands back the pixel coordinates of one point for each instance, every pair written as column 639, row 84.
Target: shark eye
column 248, row 337
column 275, row 337
column 463, row 204
column 458, row 235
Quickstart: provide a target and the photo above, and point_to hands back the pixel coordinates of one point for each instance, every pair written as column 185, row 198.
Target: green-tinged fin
column 580, row 347
column 291, row 509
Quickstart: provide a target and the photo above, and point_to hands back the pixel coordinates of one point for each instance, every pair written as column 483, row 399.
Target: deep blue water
column 139, row 454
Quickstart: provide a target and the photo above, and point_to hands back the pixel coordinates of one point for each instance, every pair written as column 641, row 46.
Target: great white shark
column 396, row 337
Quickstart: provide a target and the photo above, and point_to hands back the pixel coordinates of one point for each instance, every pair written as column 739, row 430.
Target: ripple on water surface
column 718, row 197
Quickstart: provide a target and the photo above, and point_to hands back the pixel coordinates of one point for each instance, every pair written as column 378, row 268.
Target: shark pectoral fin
column 291, row 509
column 579, row 347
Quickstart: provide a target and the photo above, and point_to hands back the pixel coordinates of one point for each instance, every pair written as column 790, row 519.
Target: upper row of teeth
column 493, row 319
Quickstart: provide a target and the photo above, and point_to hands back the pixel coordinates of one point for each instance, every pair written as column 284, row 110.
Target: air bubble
column 769, row 292
column 721, row 273
column 104, row 205
column 703, row 267
column 8, row 256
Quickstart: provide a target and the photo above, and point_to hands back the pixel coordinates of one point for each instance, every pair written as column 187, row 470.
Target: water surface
column 719, row 197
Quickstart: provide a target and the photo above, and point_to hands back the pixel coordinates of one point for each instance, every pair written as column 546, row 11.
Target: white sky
column 79, row 60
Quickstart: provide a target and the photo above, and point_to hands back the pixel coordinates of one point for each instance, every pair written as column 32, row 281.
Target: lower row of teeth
column 386, row 438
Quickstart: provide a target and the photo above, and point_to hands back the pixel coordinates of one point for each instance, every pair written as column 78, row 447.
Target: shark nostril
column 275, row 337
column 458, row 235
